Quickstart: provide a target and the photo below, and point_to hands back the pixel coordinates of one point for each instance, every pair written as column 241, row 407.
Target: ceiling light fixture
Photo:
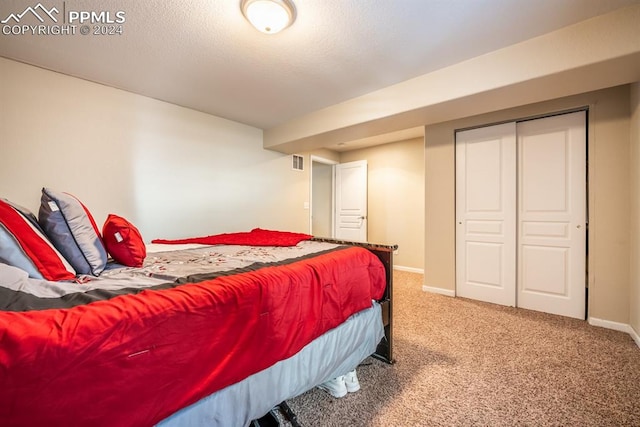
column 269, row 16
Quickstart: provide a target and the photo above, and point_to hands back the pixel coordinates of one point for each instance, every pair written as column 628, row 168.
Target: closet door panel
column 485, row 214
column 552, row 214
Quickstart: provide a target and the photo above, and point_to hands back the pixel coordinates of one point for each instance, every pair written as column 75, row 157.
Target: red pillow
column 23, row 245
column 123, row 241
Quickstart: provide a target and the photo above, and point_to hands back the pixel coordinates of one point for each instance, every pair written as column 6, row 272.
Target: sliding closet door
column 486, row 214
column 552, row 214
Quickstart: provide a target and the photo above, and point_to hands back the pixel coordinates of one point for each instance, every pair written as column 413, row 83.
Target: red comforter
column 255, row 237
column 133, row 360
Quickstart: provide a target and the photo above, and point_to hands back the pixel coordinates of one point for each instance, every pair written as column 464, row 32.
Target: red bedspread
column 134, row 360
column 255, row 237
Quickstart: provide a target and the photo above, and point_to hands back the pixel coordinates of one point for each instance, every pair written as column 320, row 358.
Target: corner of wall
column 634, row 286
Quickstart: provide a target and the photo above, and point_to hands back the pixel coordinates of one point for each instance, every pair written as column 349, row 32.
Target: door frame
column 332, row 163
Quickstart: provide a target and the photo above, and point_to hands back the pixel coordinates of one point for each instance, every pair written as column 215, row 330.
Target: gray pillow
column 72, row 230
column 11, row 253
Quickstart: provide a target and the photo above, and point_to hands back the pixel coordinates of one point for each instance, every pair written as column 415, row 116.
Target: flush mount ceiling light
column 269, row 16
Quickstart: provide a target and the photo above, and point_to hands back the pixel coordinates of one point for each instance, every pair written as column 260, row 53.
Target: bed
column 199, row 334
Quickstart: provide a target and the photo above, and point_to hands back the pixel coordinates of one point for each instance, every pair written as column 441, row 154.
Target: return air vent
column 297, row 162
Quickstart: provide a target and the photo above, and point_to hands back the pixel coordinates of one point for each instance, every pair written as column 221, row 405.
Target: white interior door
column 351, row 201
column 552, row 214
column 486, row 214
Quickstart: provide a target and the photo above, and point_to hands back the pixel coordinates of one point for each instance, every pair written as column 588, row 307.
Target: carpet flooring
column 461, row 362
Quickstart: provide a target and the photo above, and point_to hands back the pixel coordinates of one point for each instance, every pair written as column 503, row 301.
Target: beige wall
column 170, row 170
column 609, row 190
column 634, row 308
column 396, row 197
column 326, row 154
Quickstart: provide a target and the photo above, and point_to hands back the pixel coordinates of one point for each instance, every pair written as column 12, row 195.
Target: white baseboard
column 447, row 292
column 635, row 336
column 616, row 326
column 408, row 269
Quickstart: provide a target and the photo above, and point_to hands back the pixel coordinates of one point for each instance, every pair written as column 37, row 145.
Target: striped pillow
column 24, row 245
column 72, row 230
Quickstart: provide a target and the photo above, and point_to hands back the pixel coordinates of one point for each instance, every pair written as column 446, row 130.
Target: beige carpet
column 466, row 363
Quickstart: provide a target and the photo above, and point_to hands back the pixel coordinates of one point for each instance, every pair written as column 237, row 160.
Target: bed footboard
column 384, row 351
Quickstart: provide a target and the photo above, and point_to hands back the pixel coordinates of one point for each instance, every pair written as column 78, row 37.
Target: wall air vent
column 297, row 162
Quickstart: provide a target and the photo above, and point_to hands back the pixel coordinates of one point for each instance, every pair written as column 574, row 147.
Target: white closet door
column 552, row 214
column 486, row 214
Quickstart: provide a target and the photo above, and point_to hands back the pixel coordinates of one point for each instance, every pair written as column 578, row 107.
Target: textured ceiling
column 202, row 54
